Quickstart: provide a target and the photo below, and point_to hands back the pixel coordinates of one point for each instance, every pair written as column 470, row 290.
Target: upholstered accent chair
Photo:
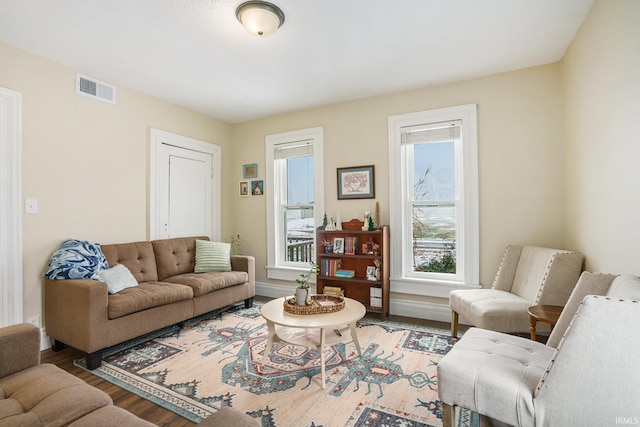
column 527, row 276
column 591, row 356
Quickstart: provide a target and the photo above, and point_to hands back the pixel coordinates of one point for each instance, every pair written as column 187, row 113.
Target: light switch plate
column 31, row 206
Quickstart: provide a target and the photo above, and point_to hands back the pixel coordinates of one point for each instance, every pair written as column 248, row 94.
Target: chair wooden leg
column 447, row 414
column 454, row 324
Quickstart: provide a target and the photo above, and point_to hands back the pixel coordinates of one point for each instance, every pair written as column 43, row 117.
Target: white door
column 185, row 187
column 188, row 199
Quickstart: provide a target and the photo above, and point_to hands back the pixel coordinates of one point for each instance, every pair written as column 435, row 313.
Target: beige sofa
column 34, row 394
column 82, row 314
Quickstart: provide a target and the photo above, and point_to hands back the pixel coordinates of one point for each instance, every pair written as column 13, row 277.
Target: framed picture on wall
column 244, row 189
column 356, row 183
column 257, row 188
column 250, row 171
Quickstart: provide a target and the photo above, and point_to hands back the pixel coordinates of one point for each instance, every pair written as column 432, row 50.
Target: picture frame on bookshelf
column 338, row 245
column 371, row 273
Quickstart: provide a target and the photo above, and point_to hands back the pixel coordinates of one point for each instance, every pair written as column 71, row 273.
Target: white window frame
column 277, row 267
column 403, row 279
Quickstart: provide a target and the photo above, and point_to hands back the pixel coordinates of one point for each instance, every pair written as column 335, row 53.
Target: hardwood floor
column 144, row 408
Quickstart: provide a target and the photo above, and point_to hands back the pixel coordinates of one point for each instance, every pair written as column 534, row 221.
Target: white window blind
column 433, row 132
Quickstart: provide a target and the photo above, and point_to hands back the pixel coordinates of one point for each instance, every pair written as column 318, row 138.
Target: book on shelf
column 350, row 245
column 345, row 273
column 329, row 267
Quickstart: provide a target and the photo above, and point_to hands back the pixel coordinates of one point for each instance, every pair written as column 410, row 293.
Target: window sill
column 287, row 273
column 430, row 288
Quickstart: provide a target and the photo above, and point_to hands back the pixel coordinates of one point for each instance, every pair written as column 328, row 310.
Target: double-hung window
column 434, row 201
column 294, row 190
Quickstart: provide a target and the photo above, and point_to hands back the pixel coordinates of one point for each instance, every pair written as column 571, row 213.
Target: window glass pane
column 300, row 180
column 434, row 166
column 299, row 234
column 434, row 238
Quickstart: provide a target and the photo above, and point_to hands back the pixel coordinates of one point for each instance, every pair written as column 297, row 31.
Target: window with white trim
column 434, row 212
column 295, row 195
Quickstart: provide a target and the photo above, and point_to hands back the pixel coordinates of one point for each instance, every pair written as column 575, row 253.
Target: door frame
column 157, row 139
column 11, row 276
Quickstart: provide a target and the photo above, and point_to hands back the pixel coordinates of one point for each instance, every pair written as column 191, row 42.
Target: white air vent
column 95, row 89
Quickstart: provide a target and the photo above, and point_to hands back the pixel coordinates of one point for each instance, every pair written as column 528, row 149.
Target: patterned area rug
column 215, row 361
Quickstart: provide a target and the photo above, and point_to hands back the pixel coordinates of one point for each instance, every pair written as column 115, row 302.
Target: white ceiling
column 196, row 54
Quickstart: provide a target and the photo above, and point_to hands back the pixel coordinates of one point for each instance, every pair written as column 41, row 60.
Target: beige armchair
column 590, row 379
column 528, row 275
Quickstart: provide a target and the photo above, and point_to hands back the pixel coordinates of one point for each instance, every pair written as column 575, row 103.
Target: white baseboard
column 398, row 307
column 44, row 340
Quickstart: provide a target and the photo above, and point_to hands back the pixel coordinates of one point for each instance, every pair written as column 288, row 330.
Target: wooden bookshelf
column 357, row 287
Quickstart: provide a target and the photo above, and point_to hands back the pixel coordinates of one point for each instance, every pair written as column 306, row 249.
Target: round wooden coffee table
column 312, row 330
column 548, row 314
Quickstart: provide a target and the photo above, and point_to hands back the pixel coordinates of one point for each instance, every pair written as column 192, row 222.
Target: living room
column 556, row 154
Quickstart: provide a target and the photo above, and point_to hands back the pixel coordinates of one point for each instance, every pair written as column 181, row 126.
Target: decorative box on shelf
column 376, row 296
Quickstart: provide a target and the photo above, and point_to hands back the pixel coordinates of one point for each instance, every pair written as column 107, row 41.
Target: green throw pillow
column 212, row 256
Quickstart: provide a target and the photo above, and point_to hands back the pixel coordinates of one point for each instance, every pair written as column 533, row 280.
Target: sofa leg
column 57, row 345
column 454, row 324
column 94, row 360
column 447, row 414
column 182, row 324
column 248, row 303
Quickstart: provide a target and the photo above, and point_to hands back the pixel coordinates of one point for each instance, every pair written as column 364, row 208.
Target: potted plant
column 328, row 246
column 303, row 295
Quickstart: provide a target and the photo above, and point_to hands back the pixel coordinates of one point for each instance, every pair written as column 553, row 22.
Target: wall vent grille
column 95, row 89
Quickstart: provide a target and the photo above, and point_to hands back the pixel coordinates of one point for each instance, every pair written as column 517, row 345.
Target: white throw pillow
column 212, row 256
column 118, row 278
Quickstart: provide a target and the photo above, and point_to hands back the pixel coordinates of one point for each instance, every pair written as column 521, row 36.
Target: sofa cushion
column 625, row 286
column 203, row 283
column 175, row 256
column 109, row 416
column 146, row 295
column 47, row 395
column 118, row 278
column 212, row 256
column 138, row 257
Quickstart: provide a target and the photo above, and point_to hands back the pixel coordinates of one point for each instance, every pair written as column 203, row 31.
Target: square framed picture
column 244, row 189
column 371, row 273
column 338, row 245
column 250, row 171
column 257, row 188
column 356, row 182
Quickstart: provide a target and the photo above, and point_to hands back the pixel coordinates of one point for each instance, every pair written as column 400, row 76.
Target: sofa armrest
column 19, row 348
column 76, row 312
column 245, row 263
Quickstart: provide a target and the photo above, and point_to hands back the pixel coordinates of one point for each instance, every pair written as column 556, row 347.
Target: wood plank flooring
column 144, row 408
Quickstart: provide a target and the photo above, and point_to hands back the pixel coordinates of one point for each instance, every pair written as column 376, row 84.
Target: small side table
column 548, row 314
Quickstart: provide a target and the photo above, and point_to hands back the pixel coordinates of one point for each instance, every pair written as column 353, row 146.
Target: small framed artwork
column 371, row 273
column 338, row 245
column 356, row 183
column 244, row 189
column 257, row 188
column 250, row 171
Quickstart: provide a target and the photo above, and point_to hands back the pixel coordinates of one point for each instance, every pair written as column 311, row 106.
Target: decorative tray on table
column 319, row 304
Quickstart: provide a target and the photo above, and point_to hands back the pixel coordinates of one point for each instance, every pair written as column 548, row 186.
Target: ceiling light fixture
column 259, row 17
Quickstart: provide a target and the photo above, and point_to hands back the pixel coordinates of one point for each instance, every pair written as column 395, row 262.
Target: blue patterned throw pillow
column 76, row 259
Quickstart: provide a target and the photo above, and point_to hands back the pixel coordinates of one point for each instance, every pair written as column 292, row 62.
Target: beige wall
column 86, row 161
column 602, row 85
column 520, row 134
